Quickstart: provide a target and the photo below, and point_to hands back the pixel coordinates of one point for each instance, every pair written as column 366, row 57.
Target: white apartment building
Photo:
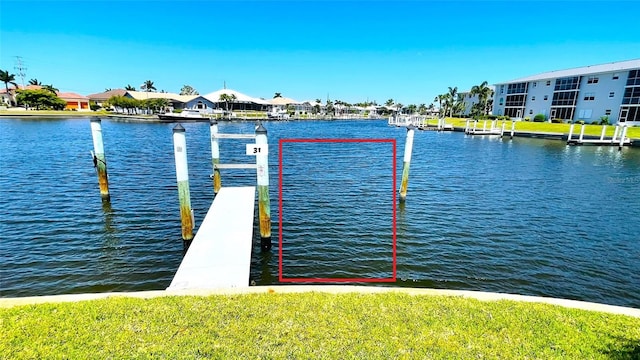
column 584, row 93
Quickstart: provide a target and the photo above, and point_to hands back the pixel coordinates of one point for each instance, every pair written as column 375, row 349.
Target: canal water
column 524, row 216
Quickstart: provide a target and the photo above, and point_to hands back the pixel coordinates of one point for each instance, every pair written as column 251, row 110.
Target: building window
column 589, row 96
column 518, row 88
column 592, row 80
column 615, row 76
column 612, row 94
column 501, row 101
column 533, row 98
column 501, row 89
column 546, row 97
column 535, row 84
column 530, row 111
column 568, row 83
column 607, row 112
column 548, row 82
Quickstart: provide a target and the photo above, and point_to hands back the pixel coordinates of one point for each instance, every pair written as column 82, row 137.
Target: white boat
column 185, row 115
column 277, row 113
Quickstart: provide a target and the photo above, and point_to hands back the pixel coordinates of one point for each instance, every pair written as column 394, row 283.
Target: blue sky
column 348, row 50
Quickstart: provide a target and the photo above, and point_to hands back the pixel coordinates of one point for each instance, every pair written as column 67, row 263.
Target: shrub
column 527, row 119
column 539, row 118
column 581, row 122
column 604, row 120
column 95, row 107
column 557, row 121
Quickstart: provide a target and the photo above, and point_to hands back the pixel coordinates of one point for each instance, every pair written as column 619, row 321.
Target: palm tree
column 107, row 89
column 412, row 108
column 484, row 93
column 441, row 99
column 277, row 95
column 7, row 79
column 188, row 90
column 389, row 103
column 148, row 86
column 228, row 99
column 452, row 96
column 130, row 88
column 50, row 88
column 35, row 82
column 422, row 109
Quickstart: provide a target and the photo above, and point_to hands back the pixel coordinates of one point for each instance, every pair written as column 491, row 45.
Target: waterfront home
column 176, row 101
column 101, row 98
column 75, row 102
column 586, row 93
column 212, row 102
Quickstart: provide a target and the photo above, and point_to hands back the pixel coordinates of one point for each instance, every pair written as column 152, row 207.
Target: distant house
column 241, row 101
column 7, row 97
column 176, row 101
column 201, row 104
column 101, row 98
column 74, row 101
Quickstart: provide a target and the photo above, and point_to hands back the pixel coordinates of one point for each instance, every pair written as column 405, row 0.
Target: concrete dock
column 220, row 253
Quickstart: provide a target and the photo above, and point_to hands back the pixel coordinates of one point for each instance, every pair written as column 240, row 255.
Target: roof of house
column 3, row 90
column 584, row 70
column 107, row 94
column 240, row 97
column 142, row 95
column 71, row 96
column 282, row 101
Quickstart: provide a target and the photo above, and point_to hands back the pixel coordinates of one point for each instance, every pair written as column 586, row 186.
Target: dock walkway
column 220, row 253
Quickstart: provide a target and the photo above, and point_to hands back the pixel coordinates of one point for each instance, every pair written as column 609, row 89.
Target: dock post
column 615, row 134
column 513, row 128
column 408, row 146
column 622, row 136
column 504, row 124
column 99, row 160
column 484, row 126
column 182, row 176
column 570, row 133
column 264, row 205
column 581, row 134
column 475, row 124
column 493, row 124
column 215, row 155
column 466, row 127
column 604, row 130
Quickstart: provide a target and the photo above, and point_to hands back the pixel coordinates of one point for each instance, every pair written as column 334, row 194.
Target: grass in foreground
column 314, row 325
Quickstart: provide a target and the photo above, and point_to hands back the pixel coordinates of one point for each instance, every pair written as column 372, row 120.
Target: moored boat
column 185, row 115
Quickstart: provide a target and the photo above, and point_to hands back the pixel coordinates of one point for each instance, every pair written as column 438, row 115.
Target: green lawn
column 632, row 132
column 314, row 325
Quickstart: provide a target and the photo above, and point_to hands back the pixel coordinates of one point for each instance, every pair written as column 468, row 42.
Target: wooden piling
column 513, row 128
column 475, row 125
column 406, row 163
column 466, row 127
column 215, row 155
column 99, row 160
column 484, row 126
column 604, row 131
column 182, row 177
column 264, row 204
column 504, row 124
column 581, row 134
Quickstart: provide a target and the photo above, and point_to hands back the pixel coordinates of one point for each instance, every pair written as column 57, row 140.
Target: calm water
column 523, row 216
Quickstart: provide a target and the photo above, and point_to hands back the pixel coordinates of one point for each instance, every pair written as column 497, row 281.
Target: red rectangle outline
column 334, row 280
